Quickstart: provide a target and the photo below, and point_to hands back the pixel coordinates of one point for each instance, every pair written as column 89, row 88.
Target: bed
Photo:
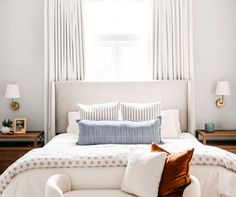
column 214, row 167
column 216, row 176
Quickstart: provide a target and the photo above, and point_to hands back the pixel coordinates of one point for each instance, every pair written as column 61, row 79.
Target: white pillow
column 143, row 174
column 104, row 111
column 170, row 125
column 72, row 124
column 140, row 111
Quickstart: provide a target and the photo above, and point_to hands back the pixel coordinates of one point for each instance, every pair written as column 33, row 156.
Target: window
column 117, row 44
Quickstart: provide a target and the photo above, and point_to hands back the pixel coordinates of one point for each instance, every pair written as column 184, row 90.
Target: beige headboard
column 172, row 94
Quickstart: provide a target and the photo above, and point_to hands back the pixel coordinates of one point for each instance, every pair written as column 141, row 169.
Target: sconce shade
column 12, row 91
column 222, row 88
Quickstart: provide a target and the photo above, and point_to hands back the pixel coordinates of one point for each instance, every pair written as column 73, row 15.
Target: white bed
column 215, row 168
column 215, row 180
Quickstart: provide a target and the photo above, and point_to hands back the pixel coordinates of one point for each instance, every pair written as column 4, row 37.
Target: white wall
column 21, row 58
column 215, row 59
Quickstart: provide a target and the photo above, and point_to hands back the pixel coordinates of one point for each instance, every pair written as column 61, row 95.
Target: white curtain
column 173, row 46
column 64, row 53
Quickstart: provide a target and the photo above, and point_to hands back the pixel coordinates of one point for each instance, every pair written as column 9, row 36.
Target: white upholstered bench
column 59, row 185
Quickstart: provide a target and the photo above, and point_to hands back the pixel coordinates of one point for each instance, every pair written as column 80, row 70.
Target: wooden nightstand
column 12, row 147
column 225, row 139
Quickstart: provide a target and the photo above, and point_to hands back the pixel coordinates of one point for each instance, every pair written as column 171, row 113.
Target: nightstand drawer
column 8, row 158
column 5, row 164
column 12, row 147
column 11, row 156
column 229, row 148
column 225, row 139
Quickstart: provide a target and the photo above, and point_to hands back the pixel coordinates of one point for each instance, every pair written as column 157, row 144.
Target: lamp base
column 220, row 103
column 14, row 105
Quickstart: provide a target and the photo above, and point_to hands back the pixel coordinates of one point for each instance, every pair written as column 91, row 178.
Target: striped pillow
column 119, row 132
column 140, row 111
column 105, row 111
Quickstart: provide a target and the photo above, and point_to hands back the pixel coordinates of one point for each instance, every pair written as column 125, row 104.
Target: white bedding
column 215, row 180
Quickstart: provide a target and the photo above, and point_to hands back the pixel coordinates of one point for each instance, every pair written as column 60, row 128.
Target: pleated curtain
column 64, row 48
column 64, row 51
column 173, row 46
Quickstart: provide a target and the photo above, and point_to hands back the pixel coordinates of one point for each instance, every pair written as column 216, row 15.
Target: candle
column 209, row 127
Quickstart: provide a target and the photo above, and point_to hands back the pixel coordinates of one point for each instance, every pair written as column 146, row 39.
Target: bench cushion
column 92, row 193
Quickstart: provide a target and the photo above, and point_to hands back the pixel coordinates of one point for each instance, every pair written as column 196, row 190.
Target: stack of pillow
column 158, row 173
column 132, row 123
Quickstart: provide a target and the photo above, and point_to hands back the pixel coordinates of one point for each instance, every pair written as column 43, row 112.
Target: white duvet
column 215, row 168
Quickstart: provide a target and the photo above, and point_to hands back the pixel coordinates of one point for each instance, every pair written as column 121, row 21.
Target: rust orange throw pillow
column 175, row 176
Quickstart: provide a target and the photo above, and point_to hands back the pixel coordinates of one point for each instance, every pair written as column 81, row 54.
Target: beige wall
column 21, row 58
column 215, row 59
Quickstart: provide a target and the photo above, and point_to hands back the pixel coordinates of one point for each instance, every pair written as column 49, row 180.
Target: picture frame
column 20, row 125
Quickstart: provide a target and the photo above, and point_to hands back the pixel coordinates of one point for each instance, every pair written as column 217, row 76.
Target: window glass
column 117, row 44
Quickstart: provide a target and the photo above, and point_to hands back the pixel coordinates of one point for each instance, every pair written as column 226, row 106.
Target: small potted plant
column 6, row 126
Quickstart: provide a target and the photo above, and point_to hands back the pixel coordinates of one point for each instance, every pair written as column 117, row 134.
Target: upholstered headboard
column 173, row 95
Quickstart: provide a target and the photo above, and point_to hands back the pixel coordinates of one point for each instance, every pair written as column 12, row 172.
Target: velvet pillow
column 175, row 176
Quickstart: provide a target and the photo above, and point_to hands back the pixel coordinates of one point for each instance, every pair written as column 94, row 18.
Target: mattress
column 215, row 180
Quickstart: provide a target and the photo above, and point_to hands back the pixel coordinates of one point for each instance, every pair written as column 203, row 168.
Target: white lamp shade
column 222, row 88
column 12, row 91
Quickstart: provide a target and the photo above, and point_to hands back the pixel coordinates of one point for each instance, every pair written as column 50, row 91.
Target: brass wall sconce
column 222, row 89
column 12, row 91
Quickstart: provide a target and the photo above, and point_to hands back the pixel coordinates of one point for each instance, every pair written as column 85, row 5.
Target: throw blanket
column 103, row 156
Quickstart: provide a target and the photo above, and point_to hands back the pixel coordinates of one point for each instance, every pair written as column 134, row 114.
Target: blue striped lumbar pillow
column 119, row 132
column 140, row 111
